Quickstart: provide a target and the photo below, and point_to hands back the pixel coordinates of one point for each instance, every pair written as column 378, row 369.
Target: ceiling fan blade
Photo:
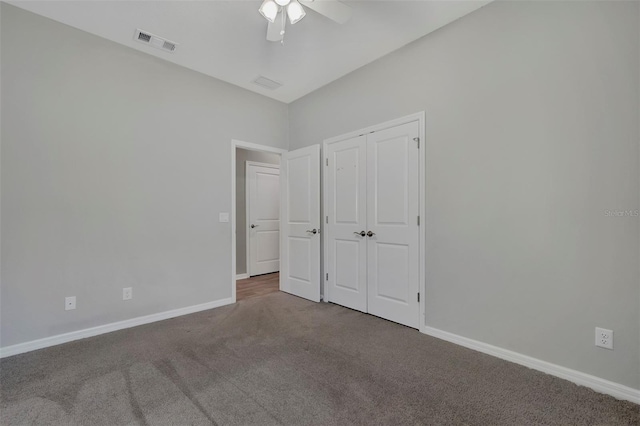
column 274, row 30
column 332, row 9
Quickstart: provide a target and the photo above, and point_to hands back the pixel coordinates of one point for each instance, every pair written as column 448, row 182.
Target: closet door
column 392, row 218
column 347, row 215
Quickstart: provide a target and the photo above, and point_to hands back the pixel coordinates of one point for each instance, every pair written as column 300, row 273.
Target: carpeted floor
column 278, row 359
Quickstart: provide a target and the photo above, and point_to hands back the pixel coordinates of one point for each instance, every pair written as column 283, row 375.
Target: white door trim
column 247, row 203
column 251, row 147
column 420, row 117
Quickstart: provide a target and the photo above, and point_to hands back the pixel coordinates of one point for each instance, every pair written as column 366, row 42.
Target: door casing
column 420, row 117
column 251, row 147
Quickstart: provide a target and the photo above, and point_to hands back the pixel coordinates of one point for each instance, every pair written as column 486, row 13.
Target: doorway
column 255, row 215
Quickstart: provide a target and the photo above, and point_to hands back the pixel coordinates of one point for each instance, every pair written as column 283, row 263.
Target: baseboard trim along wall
column 596, row 383
column 107, row 328
column 242, row 276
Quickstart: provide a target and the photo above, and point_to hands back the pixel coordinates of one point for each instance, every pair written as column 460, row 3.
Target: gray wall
column 242, row 156
column 114, row 168
column 532, row 133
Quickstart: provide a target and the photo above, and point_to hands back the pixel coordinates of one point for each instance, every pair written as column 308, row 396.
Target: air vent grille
column 169, row 46
column 267, row 83
column 153, row 40
column 144, row 37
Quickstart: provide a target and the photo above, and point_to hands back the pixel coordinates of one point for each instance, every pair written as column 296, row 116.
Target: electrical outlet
column 127, row 293
column 69, row 303
column 604, row 338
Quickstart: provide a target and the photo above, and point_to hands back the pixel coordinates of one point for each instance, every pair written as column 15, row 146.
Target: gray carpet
column 278, row 359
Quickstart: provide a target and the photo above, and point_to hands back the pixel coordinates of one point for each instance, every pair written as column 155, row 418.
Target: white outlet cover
column 604, row 338
column 127, row 293
column 224, row 217
column 69, row 303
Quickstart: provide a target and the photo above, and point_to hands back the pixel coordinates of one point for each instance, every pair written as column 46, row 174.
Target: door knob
column 313, row 231
column 370, row 234
column 254, row 226
column 361, row 233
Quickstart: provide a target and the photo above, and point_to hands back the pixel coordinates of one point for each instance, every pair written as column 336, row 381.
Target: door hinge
column 326, row 161
column 326, row 219
column 418, row 141
column 418, row 297
column 327, row 276
column 418, row 220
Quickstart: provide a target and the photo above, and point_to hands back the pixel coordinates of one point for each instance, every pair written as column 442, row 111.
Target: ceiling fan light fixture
column 269, row 9
column 295, row 11
column 282, row 3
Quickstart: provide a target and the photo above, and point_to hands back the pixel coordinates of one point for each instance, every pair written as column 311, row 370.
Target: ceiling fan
column 277, row 11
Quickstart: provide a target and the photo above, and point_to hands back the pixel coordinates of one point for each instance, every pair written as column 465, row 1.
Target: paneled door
column 346, row 212
column 263, row 217
column 392, row 224
column 300, row 223
column 372, row 207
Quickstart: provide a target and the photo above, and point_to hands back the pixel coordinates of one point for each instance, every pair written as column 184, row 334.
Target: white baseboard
column 107, row 328
column 242, row 276
column 596, row 383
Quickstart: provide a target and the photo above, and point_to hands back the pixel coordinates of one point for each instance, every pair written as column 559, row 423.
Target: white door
column 346, row 211
column 263, row 218
column 392, row 219
column 300, row 223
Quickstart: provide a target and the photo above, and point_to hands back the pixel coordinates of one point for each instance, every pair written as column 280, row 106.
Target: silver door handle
column 370, row 234
column 254, row 226
column 361, row 233
column 313, row 231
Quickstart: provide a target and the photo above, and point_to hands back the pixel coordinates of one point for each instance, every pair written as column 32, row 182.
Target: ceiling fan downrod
column 284, row 22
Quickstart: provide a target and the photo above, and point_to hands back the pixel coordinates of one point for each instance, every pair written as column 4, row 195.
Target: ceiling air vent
column 169, row 46
column 153, row 40
column 144, row 37
column 267, row 83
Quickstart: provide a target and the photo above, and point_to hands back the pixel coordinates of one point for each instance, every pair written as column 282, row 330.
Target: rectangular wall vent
column 169, row 46
column 267, row 83
column 144, row 37
column 153, row 40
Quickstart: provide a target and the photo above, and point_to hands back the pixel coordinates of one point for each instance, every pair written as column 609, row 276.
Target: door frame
column 247, row 204
column 250, row 147
column 420, row 117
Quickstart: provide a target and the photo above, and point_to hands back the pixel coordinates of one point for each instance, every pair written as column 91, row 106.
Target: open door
column 300, row 223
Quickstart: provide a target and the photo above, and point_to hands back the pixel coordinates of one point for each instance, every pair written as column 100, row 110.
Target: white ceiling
column 226, row 39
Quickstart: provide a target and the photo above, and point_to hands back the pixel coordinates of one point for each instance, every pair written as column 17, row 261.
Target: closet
column 372, row 224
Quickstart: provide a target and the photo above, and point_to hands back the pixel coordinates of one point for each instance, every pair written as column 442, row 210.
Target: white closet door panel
column 346, row 210
column 391, row 181
column 392, row 215
column 392, row 267
column 300, row 210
